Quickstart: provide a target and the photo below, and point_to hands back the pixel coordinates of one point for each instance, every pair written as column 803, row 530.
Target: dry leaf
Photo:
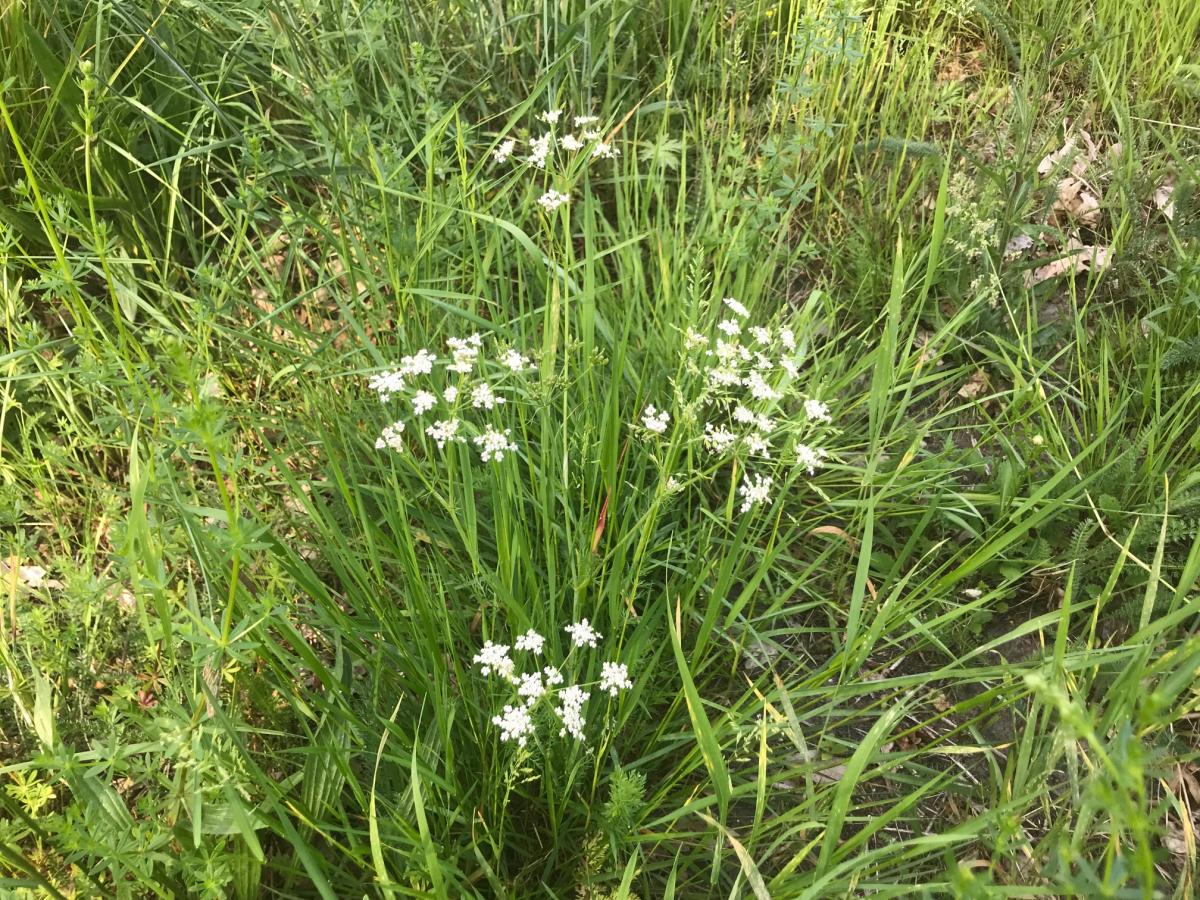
column 974, row 386
column 1079, row 258
column 1050, row 161
column 1017, row 246
column 1164, row 198
column 29, row 576
column 1076, row 204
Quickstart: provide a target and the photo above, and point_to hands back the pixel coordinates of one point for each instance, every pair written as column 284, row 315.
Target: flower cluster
column 585, row 139
column 463, row 387
column 517, row 720
column 749, row 399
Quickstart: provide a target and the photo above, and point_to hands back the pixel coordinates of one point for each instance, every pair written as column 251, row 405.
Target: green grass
column 958, row 660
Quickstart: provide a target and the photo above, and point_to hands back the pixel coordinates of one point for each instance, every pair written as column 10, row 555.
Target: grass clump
column 791, row 408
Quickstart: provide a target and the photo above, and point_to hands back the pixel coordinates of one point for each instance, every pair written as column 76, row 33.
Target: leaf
column 710, row 750
column 1164, row 198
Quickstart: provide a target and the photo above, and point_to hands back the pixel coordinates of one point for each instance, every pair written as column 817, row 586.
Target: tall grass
column 957, row 660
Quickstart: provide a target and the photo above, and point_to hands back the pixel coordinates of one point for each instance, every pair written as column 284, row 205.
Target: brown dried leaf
column 1164, row 196
column 974, row 386
column 1079, row 258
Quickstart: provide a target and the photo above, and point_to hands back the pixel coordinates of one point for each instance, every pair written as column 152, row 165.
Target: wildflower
column 483, row 397
column 515, row 725
column 504, row 151
column 754, row 492
column 759, row 389
column 464, row 352
column 762, row 335
column 570, row 710
column 736, row 306
column 551, row 116
column 762, row 361
column 614, row 677
column 422, row 402
column 531, row 688
column 757, row 444
column 694, row 340
column 419, row 364
column 539, row 150
column 718, row 439
column 790, row 367
column 590, row 134
column 450, row 394
column 810, row 458
column 787, row 338
column 727, row 351
column 580, row 121
column 764, row 423
column 744, row 416
column 552, row 200
column 514, row 360
column 391, row 438
column 816, row 411
column 583, row 633
column 494, row 657
column 655, row 420
column 443, row 431
column 387, row 383
column 493, row 444
column 673, row 485
column 553, row 676
column 723, row 376
column 531, row 641
column 604, row 150
column 570, row 142
column 730, row 326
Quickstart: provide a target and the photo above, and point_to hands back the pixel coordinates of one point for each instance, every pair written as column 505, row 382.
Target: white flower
column 515, row 725
column 731, row 327
column 387, row 383
column 422, row 402
column 580, row 121
column 757, row 444
column 391, row 437
column 494, row 444
column 552, row 200
column 655, row 420
column 465, row 351
column 790, row 367
column 604, row 150
column 553, row 676
column 583, row 633
column 816, row 411
column 450, row 394
column 539, row 150
column 673, row 485
column 570, row 710
column 718, row 439
column 736, row 307
column 787, row 338
column 744, row 416
column 723, row 376
column 514, row 360
column 504, row 151
column 570, row 142
column 494, row 658
column 483, row 397
column 762, row 335
column 727, row 351
column 531, row 641
column 759, row 389
column 764, row 423
column 531, row 688
column 694, row 340
column 443, row 431
column 419, row 364
column 753, row 492
column 614, row 677
column 551, row 116
column 762, row 361
column 809, row 457
column 590, row 134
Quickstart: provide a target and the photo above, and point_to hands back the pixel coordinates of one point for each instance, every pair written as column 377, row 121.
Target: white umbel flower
column 423, row 402
column 494, row 658
column 450, row 394
column 694, row 340
column 483, row 397
column 392, row 438
column 553, row 676
column 552, row 200
column 754, row 491
column 731, row 327
column 531, row 687
column 464, row 352
column 551, row 116
column 580, row 121
column 762, row 335
column 759, row 389
column 504, row 151
column 515, row 724
column 515, row 361
column 531, row 641
column 655, row 420
column 758, row 444
column 816, row 411
column 811, row 458
column 614, row 677
column 386, row 384
column 444, row 431
column 718, row 438
column 570, row 710
column 421, row 363
column 736, row 306
column 604, row 150
column 787, row 338
column 494, row 444
column 539, row 151
column 570, row 142
column 583, row 634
